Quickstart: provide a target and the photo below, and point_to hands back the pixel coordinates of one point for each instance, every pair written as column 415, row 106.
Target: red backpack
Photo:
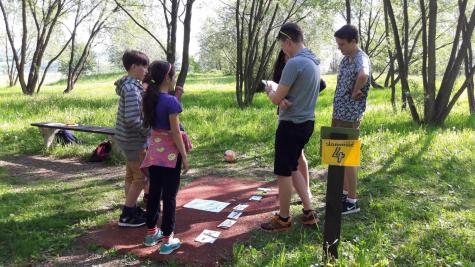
column 102, row 152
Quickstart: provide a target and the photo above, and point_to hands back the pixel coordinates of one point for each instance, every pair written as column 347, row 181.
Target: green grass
column 417, row 183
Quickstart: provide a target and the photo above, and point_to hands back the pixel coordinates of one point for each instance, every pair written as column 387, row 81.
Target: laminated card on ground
column 234, row 214
column 206, row 205
column 208, row 236
column 255, row 198
column 227, row 224
column 240, row 207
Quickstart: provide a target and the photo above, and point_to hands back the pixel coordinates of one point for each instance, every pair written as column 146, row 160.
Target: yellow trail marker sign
column 341, row 152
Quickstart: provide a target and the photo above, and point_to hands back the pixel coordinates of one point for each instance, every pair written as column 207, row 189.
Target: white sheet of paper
column 227, row 224
column 234, row 214
column 255, row 198
column 272, row 84
column 240, row 207
column 208, row 236
column 206, row 205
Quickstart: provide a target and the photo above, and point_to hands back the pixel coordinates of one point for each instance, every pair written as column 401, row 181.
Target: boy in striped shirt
column 130, row 134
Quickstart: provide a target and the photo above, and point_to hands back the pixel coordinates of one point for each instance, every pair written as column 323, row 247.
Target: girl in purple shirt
column 166, row 157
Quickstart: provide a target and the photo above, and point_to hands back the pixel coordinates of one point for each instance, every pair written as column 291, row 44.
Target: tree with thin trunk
column 185, row 57
column 218, row 42
column 468, row 60
column 11, row 70
column 256, row 21
column 76, row 65
column 171, row 12
column 348, row 11
column 45, row 15
column 437, row 102
column 391, row 58
column 372, row 34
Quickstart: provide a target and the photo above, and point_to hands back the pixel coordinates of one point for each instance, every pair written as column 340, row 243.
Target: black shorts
column 290, row 139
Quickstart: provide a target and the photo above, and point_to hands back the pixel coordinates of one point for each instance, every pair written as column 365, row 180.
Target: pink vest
column 162, row 150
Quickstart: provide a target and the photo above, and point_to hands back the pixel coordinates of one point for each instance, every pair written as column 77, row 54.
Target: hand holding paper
column 270, row 85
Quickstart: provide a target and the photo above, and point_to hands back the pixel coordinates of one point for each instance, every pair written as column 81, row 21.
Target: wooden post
column 336, row 173
column 332, row 225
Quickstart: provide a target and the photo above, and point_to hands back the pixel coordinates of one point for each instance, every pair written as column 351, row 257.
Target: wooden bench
column 49, row 129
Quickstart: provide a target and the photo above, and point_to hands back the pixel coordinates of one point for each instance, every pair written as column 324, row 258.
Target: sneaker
column 140, row 212
column 170, row 246
column 310, row 218
column 276, row 224
column 349, row 208
column 131, row 221
column 152, row 240
column 343, row 197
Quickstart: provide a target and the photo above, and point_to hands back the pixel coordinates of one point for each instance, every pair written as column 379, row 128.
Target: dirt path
column 33, row 168
column 36, row 168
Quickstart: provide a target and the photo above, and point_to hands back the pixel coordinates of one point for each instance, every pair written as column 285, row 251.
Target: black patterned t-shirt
column 344, row 107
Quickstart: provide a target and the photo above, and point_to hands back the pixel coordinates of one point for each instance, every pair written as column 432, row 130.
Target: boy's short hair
column 290, row 31
column 347, row 32
column 131, row 57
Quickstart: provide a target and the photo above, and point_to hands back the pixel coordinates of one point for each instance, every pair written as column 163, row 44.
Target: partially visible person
column 349, row 103
column 130, row 134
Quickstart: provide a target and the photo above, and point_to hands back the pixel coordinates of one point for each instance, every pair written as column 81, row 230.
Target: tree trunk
column 428, row 56
column 348, row 11
column 186, row 43
column 171, row 19
column 44, row 26
column 255, row 24
column 401, row 56
column 470, row 87
column 75, row 69
column 444, row 102
column 12, row 74
column 393, row 87
column 429, row 92
column 374, row 83
column 239, row 51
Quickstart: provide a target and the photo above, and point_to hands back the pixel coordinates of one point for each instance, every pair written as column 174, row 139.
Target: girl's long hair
column 278, row 66
column 157, row 72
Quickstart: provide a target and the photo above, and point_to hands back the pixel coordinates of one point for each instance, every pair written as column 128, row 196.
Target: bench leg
column 48, row 135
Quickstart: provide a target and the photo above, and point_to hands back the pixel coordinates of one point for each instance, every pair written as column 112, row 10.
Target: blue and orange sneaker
column 152, row 240
column 168, row 247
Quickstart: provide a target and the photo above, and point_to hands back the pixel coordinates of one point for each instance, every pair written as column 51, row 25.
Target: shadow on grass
column 404, row 193
column 41, row 236
column 39, row 220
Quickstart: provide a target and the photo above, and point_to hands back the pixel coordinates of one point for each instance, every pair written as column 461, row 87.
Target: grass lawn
column 417, row 183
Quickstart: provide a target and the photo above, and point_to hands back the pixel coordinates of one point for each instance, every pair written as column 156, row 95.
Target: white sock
column 352, row 200
column 345, row 192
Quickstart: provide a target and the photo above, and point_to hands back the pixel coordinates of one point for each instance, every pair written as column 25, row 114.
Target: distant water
column 50, row 78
